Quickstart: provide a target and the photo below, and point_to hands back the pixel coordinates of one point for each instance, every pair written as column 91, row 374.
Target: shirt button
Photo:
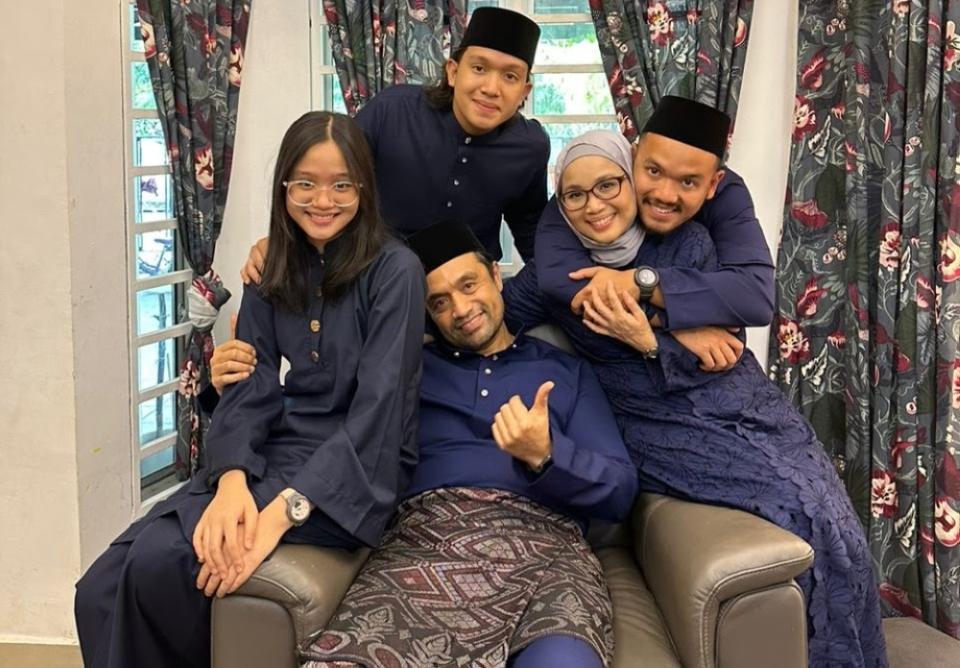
column 494, row 358
column 468, row 140
column 456, row 182
column 449, row 204
column 463, row 160
column 314, row 326
column 484, row 393
column 487, row 371
column 314, row 356
column 318, row 292
column 456, row 353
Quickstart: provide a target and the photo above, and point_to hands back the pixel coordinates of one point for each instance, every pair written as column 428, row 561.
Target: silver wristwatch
column 298, row 508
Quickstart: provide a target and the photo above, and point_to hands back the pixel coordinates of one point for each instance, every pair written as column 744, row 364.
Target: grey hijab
column 614, row 147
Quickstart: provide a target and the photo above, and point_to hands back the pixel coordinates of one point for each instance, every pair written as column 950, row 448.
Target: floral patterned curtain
column 691, row 48
column 377, row 43
column 868, row 292
column 195, row 54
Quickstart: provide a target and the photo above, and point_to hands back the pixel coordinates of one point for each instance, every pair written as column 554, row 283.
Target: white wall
column 63, row 386
column 761, row 141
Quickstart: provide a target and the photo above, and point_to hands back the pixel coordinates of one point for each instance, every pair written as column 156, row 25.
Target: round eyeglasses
column 341, row 193
column 607, row 189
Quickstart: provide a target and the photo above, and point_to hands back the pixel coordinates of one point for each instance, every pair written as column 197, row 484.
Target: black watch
column 647, row 279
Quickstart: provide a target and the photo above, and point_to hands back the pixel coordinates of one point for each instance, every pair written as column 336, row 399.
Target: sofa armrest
column 307, row 581
column 694, row 557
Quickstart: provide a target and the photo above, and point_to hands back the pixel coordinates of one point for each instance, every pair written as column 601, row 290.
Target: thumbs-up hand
column 525, row 432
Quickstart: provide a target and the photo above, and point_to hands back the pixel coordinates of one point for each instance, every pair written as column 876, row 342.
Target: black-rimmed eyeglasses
column 607, row 189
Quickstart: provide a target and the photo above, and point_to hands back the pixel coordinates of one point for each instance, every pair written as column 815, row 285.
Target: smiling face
column 322, row 220
column 489, row 87
column 672, row 181
column 463, row 298
column 602, row 220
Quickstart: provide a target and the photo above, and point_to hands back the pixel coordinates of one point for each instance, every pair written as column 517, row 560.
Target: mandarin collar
column 443, row 347
column 451, row 124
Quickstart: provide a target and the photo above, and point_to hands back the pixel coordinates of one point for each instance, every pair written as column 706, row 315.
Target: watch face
column 300, row 509
column 646, row 276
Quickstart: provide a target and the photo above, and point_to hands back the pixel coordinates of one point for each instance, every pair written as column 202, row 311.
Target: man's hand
column 619, row 316
column 600, row 277
column 254, row 266
column 232, row 360
column 717, row 348
column 524, row 433
column 231, row 507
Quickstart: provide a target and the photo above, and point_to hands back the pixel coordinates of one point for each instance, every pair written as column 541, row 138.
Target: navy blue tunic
column 731, row 439
column 590, row 476
column 429, row 169
column 738, row 294
column 342, row 428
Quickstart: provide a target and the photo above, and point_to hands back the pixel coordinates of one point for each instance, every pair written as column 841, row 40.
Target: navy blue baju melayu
column 342, row 431
column 430, row 170
column 730, row 439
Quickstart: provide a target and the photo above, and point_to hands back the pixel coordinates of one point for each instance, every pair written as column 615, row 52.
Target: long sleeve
column 677, row 369
column 740, row 293
column 524, row 307
column 246, row 410
column 590, row 472
column 349, row 475
column 523, row 214
column 558, row 252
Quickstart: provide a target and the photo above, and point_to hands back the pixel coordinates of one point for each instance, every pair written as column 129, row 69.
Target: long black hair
column 440, row 93
column 286, row 272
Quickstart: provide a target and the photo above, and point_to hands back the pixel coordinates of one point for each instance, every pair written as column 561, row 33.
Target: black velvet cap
column 692, row 123
column 441, row 242
column 503, row 30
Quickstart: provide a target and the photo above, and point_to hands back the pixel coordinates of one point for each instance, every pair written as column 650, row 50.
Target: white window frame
column 176, row 333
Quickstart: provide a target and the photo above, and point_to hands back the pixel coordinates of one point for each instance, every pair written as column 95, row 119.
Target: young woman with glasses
column 320, row 460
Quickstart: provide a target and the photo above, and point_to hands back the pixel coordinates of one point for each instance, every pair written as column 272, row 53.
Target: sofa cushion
column 911, row 643
column 308, row 581
column 642, row 639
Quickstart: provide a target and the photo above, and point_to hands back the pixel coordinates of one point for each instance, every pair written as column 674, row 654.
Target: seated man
column 486, row 562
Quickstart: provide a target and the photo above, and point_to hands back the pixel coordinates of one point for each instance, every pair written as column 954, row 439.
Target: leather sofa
column 692, row 585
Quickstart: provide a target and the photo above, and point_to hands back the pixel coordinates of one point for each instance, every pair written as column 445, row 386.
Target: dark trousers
column 138, row 606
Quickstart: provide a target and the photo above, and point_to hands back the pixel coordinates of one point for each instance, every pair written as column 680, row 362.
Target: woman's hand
column 272, row 525
column 253, row 268
column 618, row 316
column 219, row 526
column 232, row 360
column 600, row 279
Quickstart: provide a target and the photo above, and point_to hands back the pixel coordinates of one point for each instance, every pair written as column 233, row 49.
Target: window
column 325, row 91
column 158, row 276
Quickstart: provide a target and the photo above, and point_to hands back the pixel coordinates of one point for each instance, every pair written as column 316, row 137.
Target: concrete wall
column 63, row 385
